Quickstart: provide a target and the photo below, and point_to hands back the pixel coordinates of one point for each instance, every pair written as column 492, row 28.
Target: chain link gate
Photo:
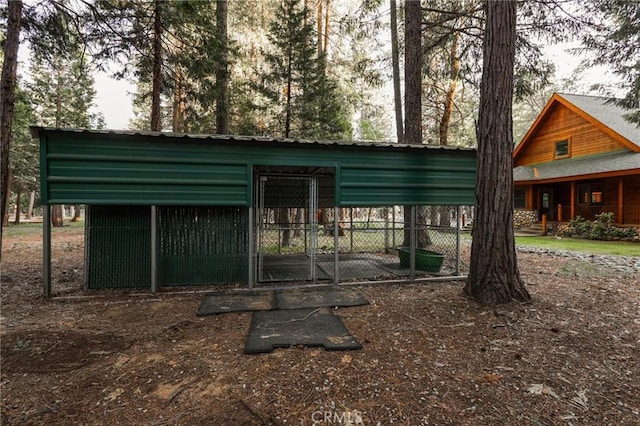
column 287, row 230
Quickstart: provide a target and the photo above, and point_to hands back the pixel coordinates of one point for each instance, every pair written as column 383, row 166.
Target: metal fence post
column 336, row 246
column 154, row 250
column 412, row 244
column 46, row 250
column 458, row 231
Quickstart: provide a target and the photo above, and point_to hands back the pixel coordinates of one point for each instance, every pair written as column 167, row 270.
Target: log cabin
column 581, row 157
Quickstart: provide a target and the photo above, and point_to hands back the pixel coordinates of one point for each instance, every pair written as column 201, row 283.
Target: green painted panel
column 125, row 168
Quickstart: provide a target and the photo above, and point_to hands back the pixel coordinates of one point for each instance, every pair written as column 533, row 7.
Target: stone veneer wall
column 523, row 218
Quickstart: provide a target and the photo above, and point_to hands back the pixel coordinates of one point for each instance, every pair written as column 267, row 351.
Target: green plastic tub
column 426, row 260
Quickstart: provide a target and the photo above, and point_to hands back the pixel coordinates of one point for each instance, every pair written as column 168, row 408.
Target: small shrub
column 600, row 229
column 577, row 228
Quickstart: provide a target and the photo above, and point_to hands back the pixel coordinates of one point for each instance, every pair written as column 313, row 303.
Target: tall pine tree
column 304, row 99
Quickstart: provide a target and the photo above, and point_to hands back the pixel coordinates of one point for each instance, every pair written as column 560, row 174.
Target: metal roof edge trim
column 36, row 132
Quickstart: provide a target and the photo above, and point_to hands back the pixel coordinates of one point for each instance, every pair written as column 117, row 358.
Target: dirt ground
column 430, row 356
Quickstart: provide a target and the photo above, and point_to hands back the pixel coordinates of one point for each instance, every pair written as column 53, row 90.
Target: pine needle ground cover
column 429, row 355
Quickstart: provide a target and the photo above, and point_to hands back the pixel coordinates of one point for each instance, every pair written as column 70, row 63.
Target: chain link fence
column 374, row 243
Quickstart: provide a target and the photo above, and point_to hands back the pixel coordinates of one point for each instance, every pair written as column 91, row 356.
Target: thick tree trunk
column 6, row 196
column 7, row 100
column 76, row 213
column 222, row 73
column 18, row 206
column 413, row 73
column 445, row 120
column 57, row 215
column 319, row 21
column 178, row 124
column 325, row 49
column 494, row 276
column 413, row 105
column 298, row 218
column 32, row 199
column 285, row 226
column 395, row 61
column 156, row 119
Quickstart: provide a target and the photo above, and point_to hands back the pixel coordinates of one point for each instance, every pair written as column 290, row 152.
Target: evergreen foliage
column 303, row 100
column 190, row 52
column 62, row 92
column 616, row 42
column 24, row 151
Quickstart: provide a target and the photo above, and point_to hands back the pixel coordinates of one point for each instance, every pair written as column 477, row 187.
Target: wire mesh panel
column 375, row 242
column 202, row 245
column 118, row 253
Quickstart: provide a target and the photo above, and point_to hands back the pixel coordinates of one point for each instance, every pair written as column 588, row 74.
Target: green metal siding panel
column 104, row 171
column 145, row 169
column 202, row 245
column 113, row 194
column 440, row 178
column 119, row 252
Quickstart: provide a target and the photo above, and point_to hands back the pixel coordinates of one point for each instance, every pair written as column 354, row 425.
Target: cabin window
column 590, row 194
column 562, row 149
column 519, row 198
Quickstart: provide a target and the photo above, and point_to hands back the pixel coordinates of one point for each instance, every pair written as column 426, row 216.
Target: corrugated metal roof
column 610, row 162
column 36, row 130
column 608, row 113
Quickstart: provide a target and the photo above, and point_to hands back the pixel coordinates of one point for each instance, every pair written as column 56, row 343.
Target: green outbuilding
column 166, row 209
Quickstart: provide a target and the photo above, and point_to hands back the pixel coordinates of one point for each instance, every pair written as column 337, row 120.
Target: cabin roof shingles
column 604, row 163
column 608, row 113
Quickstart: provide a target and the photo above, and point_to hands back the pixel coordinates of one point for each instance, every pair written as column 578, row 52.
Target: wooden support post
column 559, row 212
column 544, row 225
column 573, row 201
column 620, row 201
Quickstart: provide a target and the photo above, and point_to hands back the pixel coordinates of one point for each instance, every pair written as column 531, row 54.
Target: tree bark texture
column 18, row 206
column 494, row 276
column 7, row 100
column 445, row 120
column 326, row 29
column 156, row 120
column 32, row 199
column 222, row 73
column 413, row 73
column 413, row 105
column 57, row 215
column 76, row 213
column 178, row 124
column 395, row 61
column 319, row 19
column 6, row 197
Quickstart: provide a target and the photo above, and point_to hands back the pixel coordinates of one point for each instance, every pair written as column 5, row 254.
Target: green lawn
column 586, row 246
column 372, row 239
column 25, row 229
